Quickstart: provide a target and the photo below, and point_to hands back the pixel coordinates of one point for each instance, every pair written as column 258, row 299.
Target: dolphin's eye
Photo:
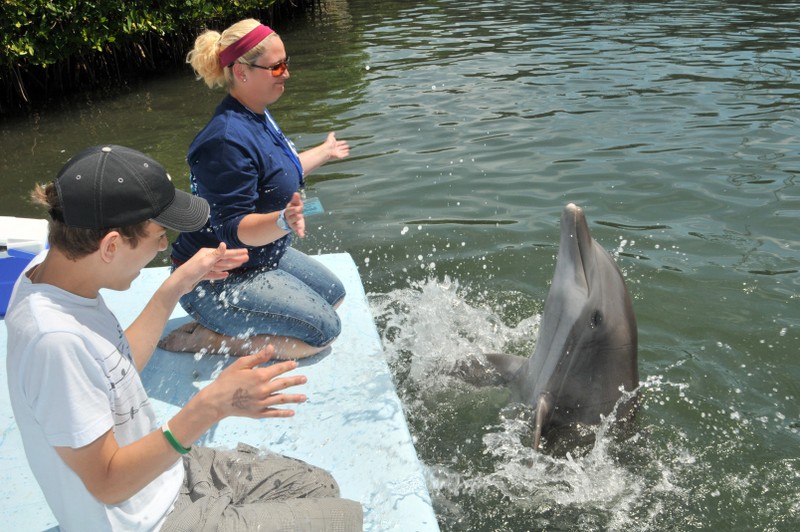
column 596, row 319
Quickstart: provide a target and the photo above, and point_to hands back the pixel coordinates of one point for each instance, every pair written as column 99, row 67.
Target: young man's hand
column 210, row 264
column 247, row 390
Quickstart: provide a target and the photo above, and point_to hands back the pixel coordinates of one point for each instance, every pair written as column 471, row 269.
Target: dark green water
column 674, row 124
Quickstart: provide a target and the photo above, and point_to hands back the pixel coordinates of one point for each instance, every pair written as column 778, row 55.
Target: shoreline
column 52, row 57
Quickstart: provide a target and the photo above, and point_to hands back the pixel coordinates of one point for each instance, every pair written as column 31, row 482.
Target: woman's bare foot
column 194, row 338
column 191, row 338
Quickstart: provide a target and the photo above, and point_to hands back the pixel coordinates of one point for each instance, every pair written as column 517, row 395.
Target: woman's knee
column 327, row 330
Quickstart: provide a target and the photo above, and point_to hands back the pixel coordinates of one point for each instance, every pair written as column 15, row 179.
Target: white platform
column 352, row 425
column 25, row 234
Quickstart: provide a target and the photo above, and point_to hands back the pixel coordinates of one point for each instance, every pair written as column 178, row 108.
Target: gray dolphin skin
column 586, row 351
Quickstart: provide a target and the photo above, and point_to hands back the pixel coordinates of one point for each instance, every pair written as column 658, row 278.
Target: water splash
column 662, row 472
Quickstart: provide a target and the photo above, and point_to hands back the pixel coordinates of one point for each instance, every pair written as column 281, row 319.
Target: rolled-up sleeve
column 227, row 178
column 240, row 168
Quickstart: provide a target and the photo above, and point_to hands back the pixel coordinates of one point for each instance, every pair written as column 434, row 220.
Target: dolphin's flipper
column 542, row 413
column 507, row 365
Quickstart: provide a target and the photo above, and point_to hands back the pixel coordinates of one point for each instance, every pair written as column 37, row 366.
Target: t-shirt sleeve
column 67, row 390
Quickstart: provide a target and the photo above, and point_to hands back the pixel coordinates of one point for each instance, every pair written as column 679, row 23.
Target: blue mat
column 352, row 425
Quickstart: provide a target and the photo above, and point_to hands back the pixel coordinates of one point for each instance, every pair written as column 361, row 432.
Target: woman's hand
column 322, row 153
column 336, row 149
column 294, row 215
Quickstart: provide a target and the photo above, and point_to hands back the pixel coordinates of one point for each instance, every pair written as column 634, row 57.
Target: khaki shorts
column 247, row 489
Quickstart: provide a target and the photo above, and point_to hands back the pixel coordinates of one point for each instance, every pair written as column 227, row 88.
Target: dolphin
column 586, row 350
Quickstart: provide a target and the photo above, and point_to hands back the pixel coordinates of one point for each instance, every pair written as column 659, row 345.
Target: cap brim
column 186, row 213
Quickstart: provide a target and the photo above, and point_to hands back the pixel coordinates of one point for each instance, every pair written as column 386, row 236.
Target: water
column 674, row 124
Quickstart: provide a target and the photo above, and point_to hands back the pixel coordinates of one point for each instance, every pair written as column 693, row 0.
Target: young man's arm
column 113, row 474
column 209, row 264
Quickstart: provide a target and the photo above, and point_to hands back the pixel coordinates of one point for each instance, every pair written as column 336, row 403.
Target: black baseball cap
column 109, row 186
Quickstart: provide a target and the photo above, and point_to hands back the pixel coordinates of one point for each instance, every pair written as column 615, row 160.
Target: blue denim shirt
column 240, row 165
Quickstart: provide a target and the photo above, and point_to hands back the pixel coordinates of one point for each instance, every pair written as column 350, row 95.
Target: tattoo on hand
column 241, row 398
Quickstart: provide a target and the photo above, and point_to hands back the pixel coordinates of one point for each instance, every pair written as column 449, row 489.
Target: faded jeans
column 295, row 300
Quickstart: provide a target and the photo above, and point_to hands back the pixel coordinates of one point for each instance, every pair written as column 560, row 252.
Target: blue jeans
column 294, row 300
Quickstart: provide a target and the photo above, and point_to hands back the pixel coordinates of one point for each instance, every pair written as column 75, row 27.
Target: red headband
column 233, row 52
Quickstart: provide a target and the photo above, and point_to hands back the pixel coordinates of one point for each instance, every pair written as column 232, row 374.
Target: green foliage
column 45, row 32
column 53, row 48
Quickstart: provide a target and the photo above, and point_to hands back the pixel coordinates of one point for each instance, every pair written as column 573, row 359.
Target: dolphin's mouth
column 576, row 243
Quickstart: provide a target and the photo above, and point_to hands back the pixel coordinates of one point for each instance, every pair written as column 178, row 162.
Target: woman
column 252, row 176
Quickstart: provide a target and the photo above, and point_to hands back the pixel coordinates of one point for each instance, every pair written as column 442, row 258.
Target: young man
column 88, row 428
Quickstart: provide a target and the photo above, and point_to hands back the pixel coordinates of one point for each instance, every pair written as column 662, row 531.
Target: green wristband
column 173, row 441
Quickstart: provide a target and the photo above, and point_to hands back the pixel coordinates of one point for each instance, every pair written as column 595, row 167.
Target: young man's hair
column 76, row 242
